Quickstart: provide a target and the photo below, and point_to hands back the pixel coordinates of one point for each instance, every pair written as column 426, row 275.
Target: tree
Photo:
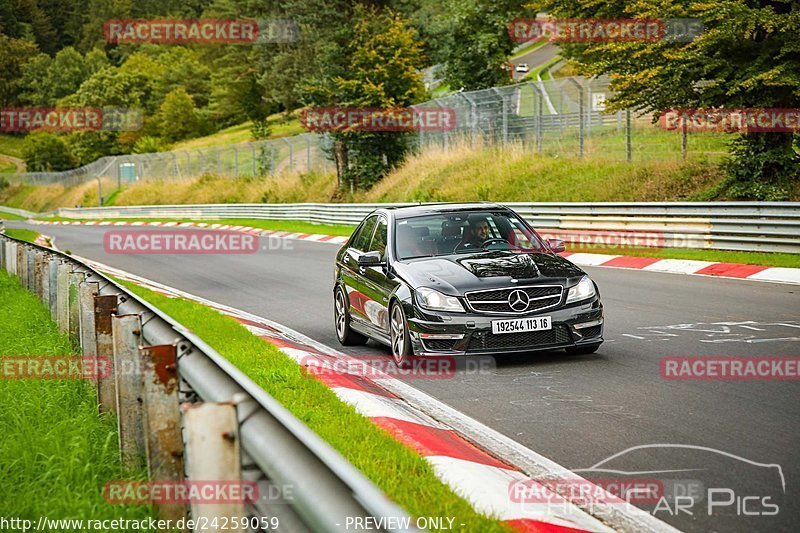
column 383, row 57
column 748, row 56
column 46, row 152
column 479, row 45
column 14, row 53
column 177, row 117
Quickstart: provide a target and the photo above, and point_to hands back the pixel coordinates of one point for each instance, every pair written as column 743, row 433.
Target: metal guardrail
column 745, row 226
column 276, row 448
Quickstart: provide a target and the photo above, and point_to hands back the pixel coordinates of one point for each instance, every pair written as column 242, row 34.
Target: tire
column 582, row 350
column 341, row 321
column 399, row 336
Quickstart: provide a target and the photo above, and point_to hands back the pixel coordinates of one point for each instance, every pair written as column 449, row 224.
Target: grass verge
column 10, row 216
column 56, row 453
column 22, row 234
column 402, row 474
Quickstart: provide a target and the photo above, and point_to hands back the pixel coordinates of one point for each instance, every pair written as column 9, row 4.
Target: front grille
column 438, row 345
column 496, row 301
column 593, row 331
column 530, row 339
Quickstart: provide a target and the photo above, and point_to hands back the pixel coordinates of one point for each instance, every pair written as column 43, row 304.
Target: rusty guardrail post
column 126, row 330
column 22, row 265
column 52, row 287
column 104, row 308
column 62, row 297
column 45, row 280
column 212, row 453
column 75, row 279
column 162, row 420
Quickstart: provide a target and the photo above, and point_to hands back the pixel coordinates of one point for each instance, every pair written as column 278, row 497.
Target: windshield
column 464, row 232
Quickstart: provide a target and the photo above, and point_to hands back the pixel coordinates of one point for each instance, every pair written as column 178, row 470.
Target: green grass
column 10, row 216
column 530, row 48
column 293, row 226
column 11, row 145
column 281, row 127
column 56, row 453
column 402, row 474
column 7, row 168
column 22, row 234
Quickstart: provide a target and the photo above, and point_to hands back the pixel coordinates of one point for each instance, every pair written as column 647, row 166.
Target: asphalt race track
column 578, row 411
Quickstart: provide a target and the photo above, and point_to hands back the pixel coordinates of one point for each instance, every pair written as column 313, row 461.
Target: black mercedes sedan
column 452, row 279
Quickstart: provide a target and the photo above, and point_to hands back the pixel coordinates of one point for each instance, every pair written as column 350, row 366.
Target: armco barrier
column 177, row 376
column 745, row 226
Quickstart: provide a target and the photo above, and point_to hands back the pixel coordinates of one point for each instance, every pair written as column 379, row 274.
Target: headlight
column 583, row 290
column 436, row 301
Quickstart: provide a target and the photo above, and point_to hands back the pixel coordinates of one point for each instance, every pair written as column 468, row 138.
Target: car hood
column 459, row 273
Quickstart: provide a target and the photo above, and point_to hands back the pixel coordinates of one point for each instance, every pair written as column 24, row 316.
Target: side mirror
column 557, row 245
column 370, row 259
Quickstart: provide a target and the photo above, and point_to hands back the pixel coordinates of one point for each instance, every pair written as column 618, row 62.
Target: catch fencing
column 746, row 226
column 185, row 411
column 554, row 117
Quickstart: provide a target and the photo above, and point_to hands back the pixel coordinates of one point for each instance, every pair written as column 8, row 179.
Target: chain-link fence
column 565, row 117
column 298, row 153
column 558, row 117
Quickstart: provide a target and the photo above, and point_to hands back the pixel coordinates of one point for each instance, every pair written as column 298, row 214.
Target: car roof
column 438, row 208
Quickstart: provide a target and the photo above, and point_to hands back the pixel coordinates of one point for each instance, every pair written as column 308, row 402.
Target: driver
column 475, row 233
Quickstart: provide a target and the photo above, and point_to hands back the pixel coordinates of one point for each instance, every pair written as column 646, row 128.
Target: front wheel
column 341, row 317
column 582, row 350
column 400, row 338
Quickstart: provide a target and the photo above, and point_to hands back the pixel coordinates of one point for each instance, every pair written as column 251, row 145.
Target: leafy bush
column 46, row 152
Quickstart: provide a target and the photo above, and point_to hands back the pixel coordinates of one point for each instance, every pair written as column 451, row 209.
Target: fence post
column 104, row 308
column 162, row 420
column 628, row 135
column 62, row 297
column 75, row 279
column 581, row 118
column 684, row 139
column 212, row 453
column 254, row 162
column 235, row 162
column 22, row 264
column 52, row 285
column 126, row 330
column 39, row 262
column 87, row 291
column 308, row 153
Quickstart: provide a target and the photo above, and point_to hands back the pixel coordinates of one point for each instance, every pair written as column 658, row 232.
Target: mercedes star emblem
column 518, row 300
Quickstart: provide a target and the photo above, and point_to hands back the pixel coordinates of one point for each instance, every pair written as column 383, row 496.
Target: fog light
column 588, row 324
column 442, row 336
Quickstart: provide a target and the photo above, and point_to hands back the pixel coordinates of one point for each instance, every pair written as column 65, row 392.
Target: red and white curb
column 651, row 264
column 483, row 475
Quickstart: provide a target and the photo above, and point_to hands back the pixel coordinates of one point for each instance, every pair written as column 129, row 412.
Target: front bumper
column 471, row 333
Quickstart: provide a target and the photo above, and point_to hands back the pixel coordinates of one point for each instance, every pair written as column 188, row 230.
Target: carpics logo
column 378, row 119
column 731, row 120
column 599, row 30
column 69, row 119
column 179, row 241
column 731, row 368
column 210, row 31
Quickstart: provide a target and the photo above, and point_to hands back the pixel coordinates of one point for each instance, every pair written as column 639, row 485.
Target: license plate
column 521, row 325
